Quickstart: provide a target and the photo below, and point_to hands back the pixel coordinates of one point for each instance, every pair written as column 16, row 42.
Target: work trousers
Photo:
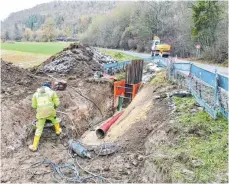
column 41, row 123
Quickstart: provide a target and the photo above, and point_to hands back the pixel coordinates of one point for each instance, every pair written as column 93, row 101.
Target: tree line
column 128, row 25
column 51, row 21
column 183, row 25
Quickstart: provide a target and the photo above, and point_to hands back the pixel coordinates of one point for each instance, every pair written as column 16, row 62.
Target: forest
column 128, row 25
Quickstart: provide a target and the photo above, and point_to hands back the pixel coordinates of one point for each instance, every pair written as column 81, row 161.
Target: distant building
column 66, row 39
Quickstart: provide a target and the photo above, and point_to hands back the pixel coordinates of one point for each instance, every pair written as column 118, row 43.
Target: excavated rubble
column 78, row 60
column 102, row 58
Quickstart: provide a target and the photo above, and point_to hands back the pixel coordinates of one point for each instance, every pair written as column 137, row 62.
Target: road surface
column 211, row 68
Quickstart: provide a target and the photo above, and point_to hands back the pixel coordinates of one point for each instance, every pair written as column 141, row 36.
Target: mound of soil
column 17, row 81
column 78, row 60
column 84, row 102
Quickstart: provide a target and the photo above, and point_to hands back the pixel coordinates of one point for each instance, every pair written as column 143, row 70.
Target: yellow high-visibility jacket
column 45, row 101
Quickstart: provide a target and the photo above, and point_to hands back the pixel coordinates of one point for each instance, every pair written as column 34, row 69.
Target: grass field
column 48, row 48
column 23, row 59
column 119, row 56
column 29, row 54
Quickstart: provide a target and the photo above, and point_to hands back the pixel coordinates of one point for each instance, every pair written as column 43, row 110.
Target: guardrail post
column 169, row 69
column 190, row 78
column 216, row 97
column 200, row 86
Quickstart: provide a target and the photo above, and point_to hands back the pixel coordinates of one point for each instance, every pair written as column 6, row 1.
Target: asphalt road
column 211, row 68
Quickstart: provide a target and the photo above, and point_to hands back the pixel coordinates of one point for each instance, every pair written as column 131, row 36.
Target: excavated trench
column 77, row 114
column 84, row 103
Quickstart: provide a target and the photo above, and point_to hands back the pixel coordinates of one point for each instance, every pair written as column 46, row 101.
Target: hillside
column 67, row 18
column 128, row 25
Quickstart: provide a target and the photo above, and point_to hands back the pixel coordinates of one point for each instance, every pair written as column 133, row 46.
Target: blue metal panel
column 223, row 82
column 110, row 65
column 182, row 66
column 164, row 62
column 116, row 65
column 124, row 63
column 224, row 112
column 149, row 59
column 207, row 107
column 204, row 75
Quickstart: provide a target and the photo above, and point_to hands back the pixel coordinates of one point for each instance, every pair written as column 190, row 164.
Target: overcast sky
column 10, row 6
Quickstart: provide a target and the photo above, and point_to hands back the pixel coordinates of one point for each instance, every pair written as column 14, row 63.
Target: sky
column 10, row 6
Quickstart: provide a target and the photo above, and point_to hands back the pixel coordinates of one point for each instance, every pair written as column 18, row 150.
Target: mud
column 17, row 82
column 85, row 103
column 123, row 166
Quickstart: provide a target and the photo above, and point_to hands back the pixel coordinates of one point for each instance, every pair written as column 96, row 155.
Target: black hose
column 87, row 99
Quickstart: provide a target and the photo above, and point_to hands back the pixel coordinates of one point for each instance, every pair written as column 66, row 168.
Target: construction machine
column 160, row 49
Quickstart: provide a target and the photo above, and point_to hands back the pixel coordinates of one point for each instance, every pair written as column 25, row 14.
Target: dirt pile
column 84, row 102
column 76, row 60
column 17, row 81
column 102, row 58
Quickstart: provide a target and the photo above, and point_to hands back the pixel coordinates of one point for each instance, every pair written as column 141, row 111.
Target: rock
column 193, row 110
column 197, row 163
column 106, row 168
column 183, row 156
column 128, row 172
column 180, row 94
column 160, row 96
column 140, row 158
column 132, row 157
column 135, row 162
column 200, row 108
column 124, row 172
column 127, row 165
column 188, row 175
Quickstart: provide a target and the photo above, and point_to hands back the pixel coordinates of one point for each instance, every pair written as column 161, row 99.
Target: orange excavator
column 160, row 49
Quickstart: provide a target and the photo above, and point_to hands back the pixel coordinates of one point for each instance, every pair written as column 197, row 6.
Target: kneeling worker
column 45, row 101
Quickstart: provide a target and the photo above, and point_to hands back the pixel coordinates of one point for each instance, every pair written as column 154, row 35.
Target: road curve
column 211, row 68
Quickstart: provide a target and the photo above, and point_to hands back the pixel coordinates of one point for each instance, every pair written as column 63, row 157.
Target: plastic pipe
column 100, row 132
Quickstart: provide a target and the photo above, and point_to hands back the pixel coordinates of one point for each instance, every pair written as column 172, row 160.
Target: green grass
column 200, row 138
column 184, row 104
column 47, row 48
column 119, row 56
column 160, row 79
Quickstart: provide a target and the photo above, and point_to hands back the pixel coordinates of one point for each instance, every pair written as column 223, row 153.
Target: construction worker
column 45, row 101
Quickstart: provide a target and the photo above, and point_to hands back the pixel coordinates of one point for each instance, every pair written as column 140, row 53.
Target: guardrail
column 112, row 68
column 210, row 89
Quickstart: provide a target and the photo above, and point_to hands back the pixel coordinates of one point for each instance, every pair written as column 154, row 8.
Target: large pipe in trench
column 100, row 132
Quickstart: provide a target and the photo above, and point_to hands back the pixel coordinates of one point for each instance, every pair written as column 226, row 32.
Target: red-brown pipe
column 100, row 132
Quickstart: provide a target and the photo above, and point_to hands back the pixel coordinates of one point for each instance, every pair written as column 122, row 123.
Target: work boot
column 34, row 146
column 57, row 128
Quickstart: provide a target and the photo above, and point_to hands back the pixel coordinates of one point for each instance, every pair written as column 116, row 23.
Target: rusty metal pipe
column 101, row 132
